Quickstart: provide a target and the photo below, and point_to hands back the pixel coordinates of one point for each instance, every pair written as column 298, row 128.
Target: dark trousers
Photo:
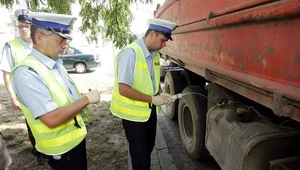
column 32, row 141
column 141, row 139
column 74, row 159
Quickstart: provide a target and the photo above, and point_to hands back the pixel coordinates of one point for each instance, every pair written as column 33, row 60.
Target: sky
column 142, row 13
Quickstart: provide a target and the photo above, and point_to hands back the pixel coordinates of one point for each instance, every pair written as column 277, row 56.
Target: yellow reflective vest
column 130, row 109
column 64, row 137
column 17, row 51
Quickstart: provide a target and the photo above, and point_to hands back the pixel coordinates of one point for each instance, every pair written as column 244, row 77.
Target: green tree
column 109, row 18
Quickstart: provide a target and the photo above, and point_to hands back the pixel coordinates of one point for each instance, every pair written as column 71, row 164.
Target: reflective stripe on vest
column 64, row 137
column 17, row 50
column 127, row 108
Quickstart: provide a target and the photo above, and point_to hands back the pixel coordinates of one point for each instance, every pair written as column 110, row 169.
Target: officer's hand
column 160, row 100
column 168, row 97
column 157, row 100
column 93, row 96
column 15, row 104
column 165, row 95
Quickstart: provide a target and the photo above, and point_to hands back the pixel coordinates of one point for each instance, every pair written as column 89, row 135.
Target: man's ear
column 152, row 34
column 38, row 38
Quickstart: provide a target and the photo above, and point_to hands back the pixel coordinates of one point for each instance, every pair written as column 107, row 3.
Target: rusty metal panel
column 188, row 11
column 169, row 10
column 195, row 10
column 258, row 46
column 260, row 50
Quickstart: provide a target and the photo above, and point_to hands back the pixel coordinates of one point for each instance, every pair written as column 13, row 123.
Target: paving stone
column 183, row 157
column 155, row 162
column 180, row 158
column 161, row 158
column 166, row 160
column 156, row 167
column 154, row 157
column 160, row 142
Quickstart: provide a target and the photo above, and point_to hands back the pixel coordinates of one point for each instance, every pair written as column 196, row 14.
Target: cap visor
column 66, row 36
column 169, row 37
column 25, row 21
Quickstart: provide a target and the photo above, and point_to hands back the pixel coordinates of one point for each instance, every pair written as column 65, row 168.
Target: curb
column 165, row 158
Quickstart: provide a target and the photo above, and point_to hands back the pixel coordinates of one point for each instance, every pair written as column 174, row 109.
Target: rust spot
column 252, row 59
column 230, row 51
column 212, row 57
column 270, row 50
column 218, row 45
column 220, row 48
column 297, row 58
column 242, row 19
column 207, row 48
column 207, row 45
column 215, row 38
column 195, row 49
column 291, row 75
column 249, row 17
column 258, row 56
column 250, row 43
column 243, row 66
column 255, row 37
column 239, row 54
column 277, row 73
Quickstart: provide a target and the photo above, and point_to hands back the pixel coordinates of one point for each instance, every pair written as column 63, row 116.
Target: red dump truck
column 237, row 64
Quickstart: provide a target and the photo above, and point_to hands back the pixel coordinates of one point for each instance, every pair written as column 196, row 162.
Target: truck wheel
column 192, row 111
column 174, row 83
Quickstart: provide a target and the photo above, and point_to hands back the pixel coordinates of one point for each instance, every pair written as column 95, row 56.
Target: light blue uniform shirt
column 126, row 64
column 7, row 63
column 33, row 91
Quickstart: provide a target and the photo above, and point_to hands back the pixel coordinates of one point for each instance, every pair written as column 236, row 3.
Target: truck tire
column 192, row 111
column 174, row 83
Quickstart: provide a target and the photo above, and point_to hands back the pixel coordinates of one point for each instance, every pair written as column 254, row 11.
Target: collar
column 146, row 52
column 48, row 62
column 24, row 43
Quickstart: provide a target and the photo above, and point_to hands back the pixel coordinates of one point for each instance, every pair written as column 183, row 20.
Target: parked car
column 73, row 58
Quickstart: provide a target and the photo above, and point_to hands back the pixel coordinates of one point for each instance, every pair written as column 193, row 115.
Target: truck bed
column 250, row 47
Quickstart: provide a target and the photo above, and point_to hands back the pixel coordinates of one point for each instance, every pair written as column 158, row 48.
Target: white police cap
column 163, row 26
column 58, row 23
column 23, row 15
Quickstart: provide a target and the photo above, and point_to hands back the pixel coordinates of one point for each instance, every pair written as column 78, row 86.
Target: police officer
column 50, row 100
column 16, row 50
column 13, row 53
column 137, row 93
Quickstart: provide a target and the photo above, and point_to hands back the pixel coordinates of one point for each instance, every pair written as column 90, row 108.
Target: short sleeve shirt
column 33, row 91
column 126, row 64
column 6, row 62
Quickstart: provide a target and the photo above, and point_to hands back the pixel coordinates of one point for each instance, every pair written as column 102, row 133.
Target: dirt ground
column 106, row 142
